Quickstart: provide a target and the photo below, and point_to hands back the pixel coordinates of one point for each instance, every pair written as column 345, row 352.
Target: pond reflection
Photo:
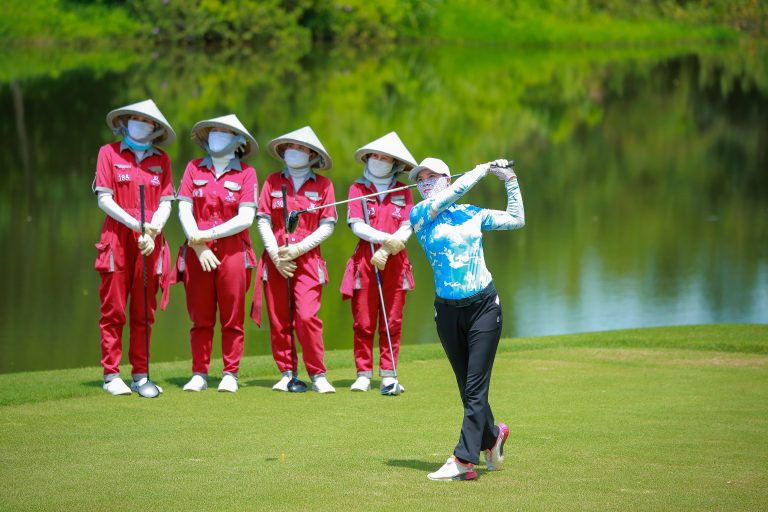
column 643, row 174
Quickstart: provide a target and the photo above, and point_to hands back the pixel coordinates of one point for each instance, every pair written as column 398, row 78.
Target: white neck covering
column 299, row 176
column 221, row 163
column 381, row 184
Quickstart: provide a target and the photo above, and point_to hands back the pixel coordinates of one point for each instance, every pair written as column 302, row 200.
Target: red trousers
column 367, row 313
column 308, row 328
column 224, row 287
column 120, row 265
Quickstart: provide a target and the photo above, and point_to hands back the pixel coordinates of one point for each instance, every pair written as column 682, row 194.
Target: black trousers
column 469, row 330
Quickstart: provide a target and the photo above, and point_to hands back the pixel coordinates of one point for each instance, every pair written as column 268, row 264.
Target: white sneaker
column 494, row 458
column 321, row 385
column 116, row 387
column 135, row 385
column 196, row 383
column 387, row 386
column 361, row 384
column 228, row 383
column 282, row 384
column 454, row 470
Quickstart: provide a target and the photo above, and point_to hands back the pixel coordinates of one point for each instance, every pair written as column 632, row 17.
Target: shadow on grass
column 92, row 383
column 419, row 465
column 261, row 383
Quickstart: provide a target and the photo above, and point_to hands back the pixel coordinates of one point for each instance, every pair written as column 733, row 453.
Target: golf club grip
column 510, row 164
column 141, row 206
column 285, row 212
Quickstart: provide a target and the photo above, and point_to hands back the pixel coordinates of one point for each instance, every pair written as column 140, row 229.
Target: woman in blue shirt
column 467, row 309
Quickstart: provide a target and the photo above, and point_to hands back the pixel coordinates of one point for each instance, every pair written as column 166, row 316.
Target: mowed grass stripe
column 593, row 428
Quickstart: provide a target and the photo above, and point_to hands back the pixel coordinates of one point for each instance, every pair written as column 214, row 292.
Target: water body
column 644, row 175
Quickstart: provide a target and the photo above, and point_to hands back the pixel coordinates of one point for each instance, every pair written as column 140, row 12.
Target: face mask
column 139, row 130
column 379, row 168
column 296, row 159
column 428, row 188
column 219, row 140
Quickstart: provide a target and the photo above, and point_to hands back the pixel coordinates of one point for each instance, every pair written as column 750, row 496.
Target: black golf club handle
column 510, row 164
column 285, row 212
column 141, row 206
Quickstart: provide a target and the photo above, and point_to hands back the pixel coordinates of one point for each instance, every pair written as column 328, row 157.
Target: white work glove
column 146, row 244
column 379, row 259
column 152, row 229
column 502, row 170
column 208, row 260
column 288, row 253
column 285, row 267
column 393, row 245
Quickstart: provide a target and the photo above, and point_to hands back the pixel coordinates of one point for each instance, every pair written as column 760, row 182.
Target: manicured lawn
column 648, row 419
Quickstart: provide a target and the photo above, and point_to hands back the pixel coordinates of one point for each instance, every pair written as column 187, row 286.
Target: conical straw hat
column 146, row 108
column 306, row 137
column 231, row 122
column 390, row 145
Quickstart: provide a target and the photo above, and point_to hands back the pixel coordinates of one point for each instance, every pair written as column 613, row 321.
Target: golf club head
column 297, row 385
column 392, row 390
column 148, row 390
column 293, row 221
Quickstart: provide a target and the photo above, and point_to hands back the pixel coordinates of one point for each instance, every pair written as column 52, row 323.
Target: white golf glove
column 379, row 259
column 200, row 237
column 502, row 170
column 289, row 253
column 152, row 229
column 286, row 267
column 146, row 244
column 393, row 245
column 208, row 260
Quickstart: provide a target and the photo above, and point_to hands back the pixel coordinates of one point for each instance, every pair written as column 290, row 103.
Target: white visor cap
column 433, row 164
column 146, row 108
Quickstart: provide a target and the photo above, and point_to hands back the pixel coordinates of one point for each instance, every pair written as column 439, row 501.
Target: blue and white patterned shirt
column 451, row 234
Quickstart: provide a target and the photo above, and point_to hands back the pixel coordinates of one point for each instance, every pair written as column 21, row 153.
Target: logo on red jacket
column 230, row 198
column 155, row 181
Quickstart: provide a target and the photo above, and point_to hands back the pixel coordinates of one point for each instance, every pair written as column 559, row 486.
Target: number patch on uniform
column 198, row 192
column 123, row 178
column 277, row 203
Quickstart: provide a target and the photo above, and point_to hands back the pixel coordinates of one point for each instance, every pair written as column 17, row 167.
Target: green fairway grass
column 645, row 419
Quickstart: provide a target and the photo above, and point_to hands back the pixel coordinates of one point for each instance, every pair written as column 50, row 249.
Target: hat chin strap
column 122, row 131
column 228, row 149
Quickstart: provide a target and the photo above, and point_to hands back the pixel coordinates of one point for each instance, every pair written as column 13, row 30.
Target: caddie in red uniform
column 217, row 204
column 388, row 228
column 121, row 167
column 301, row 261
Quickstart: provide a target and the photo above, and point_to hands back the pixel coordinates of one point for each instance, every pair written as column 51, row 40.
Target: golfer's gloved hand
column 502, row 169
column 200, row 237
column 379, row 259
column 393, row 245
column 208, row 260
column 285, row 267
column 146, row 244
column 289, row 253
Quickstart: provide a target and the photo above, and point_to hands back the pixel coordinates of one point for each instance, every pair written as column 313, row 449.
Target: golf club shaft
column 294, row 356
column 381, row 298
column 144, row 271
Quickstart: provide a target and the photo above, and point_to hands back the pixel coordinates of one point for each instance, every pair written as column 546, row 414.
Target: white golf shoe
column 117, row 387
column 196, row 383
column 454, row 470
column 228, row 383
column 282, row 384
column 321, row 385
column 362, row 383
column 388, row 384
column 494, row 458
column 136, row 384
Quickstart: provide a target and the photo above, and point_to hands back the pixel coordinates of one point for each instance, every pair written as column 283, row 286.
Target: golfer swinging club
column 467, row 309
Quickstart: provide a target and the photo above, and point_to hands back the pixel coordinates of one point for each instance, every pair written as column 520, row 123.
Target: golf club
column 295, row 385
column 148, row 389
column 292, row 221
column 392, row 389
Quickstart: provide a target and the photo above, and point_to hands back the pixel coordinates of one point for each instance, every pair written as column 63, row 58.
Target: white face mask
column 139, row 130
column 295, row 158
column 379, row 168
column 429, row 187
column 219, row 140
